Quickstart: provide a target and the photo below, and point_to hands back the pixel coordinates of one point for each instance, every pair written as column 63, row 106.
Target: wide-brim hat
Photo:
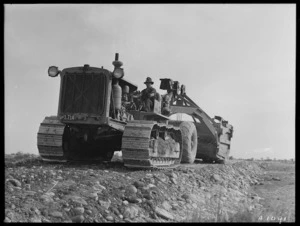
column 148, row 80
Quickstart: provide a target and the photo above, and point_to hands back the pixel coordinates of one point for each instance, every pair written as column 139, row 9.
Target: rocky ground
column 36, row 191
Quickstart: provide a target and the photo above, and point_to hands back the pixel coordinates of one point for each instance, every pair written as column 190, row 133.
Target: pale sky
column 236, row 61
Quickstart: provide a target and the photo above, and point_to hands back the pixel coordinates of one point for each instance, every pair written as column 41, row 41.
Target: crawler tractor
column 100, row 112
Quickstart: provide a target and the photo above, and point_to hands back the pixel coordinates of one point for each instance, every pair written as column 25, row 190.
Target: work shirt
column 146, row 93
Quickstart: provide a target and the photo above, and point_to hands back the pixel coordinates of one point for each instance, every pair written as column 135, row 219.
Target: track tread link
column 136, row 142
column 50, row 139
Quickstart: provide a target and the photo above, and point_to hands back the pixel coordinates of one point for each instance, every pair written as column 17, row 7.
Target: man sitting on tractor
column 148, row 95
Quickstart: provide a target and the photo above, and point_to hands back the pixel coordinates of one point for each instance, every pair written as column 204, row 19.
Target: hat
column 148, row 80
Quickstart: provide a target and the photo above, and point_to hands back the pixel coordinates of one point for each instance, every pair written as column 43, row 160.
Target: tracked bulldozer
column 99, row 112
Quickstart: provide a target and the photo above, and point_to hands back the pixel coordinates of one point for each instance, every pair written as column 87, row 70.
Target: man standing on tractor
column 148, row 95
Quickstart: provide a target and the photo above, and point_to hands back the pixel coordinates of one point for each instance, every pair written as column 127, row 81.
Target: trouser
column 148, row 105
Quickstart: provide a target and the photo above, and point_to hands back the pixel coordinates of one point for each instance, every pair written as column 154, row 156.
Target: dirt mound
column 108, row 192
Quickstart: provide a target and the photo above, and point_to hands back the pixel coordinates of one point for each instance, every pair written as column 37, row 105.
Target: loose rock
column 77, row 219
column 133, row 199
column 105, row 204
column 46, row 198
column 93, row 195
column 7, row 220
column 171, row 175
column 163, row 213
column 78, row 210
column 186, row 196
column 276, row 178
column 130, row 211
column 216, row 177
column 98, row 186
column 138, row 184
column 147, row 196
column 78, row 200
column 174, row 181
column 35, row 220
column 125, row 202
column 131, row 190
column 89, row 212
column 45, row 220
column 56, row 214
column 166, row 205
column 51, row 194
column 14, row 182
column 109, row 218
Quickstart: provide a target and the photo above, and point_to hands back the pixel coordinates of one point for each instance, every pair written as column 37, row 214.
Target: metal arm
column 192, row 109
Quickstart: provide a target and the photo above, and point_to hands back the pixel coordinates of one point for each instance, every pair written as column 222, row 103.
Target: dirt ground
column 278, row 192
column 109, row 192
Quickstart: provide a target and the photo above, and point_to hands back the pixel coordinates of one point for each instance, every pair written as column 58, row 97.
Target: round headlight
column 118, row 73
column 53, row 71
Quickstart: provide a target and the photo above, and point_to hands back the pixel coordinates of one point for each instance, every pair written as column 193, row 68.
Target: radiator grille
column 83, row 93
